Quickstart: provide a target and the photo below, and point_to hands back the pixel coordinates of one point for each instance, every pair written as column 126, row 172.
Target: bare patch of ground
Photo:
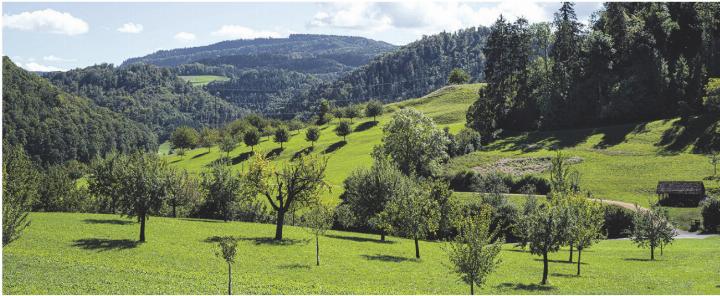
column 522, row 165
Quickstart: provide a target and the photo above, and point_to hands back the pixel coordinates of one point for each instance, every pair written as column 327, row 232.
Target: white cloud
column 52, row 58
column 46, row 20
column 240, row 32
column 428, row 16
column 132, row 28
column 184, row 37
column 35, row 67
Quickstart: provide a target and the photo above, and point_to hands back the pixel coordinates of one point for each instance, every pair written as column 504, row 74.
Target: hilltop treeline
column 54, row 126
column 148, row 94
column 636, row 61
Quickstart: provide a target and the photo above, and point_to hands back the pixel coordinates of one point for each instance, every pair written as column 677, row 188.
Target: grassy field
column 200, row 80
column 98, row 254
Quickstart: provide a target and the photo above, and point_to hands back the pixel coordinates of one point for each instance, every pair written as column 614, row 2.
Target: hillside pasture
column 200, row 80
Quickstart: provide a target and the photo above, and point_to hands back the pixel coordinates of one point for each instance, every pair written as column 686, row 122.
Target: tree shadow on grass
column 201, row 220
column 303, row 152
column 365, row 126
column 334, row 147
column 564, row 275
column 639, row 259
column 359, row 239
column 534, row 141
column 108, row 221
column 274, row 153
column 201, row 154
column 524, row 287
column 615, row 135
column 177, row 160
column 242, row 157
column 699, row 131
column 388, row 258
column 294, row 266
column 262, row 240
column 560, row 261
column 102, row 244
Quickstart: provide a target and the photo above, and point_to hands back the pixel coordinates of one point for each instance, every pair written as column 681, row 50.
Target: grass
column 200, row 80
column 63, row 253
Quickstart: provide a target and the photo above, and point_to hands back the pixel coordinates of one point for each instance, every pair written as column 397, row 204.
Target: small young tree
column 312, row 135
column 184, row 188
column 652, row 229
column 411, row 213
column 227, row 249
column 222, row 189
column 295, row 125
column 318, row 220
column 228, row 144
column 352, row 111
column 20, row 188
column 714, row 158
column 295, row 185
column 282, row 135
column 542, row 231
column 458, row 76
column 473, row 254
column 184, row 137
column 208, row 138
column 343, row 129
column 251, row 138
column 588, row 222
column 374, row 109
column 563, row 178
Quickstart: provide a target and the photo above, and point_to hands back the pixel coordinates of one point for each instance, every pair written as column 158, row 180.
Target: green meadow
column 200, row 80
column 63, row 253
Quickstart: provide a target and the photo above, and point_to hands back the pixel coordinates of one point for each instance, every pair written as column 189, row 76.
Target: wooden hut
column 680, row 193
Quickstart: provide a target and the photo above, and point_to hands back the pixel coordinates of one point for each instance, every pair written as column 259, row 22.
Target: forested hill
column 299, row 52
column 410, row 71
column 148, row 94
column 54, row 126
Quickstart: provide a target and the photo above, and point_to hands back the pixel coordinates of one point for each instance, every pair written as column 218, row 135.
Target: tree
column 411, row 213
column 296, row 185
column 343, row 129
column 184, row 137
column 652, row 229
column 374, row 109
column 140, row 183
column 208, row 138
column 228, row 144
column 20, row 190
column 222, row 188
column 473, row 253
column 227, row 249
column 318, row 220
column 458, row 76
column 710, row 211
column 105, row 181
column 312, row 135
column 413, row 141
column 714, row 158
column 367, row 191
column 541, row 230
column 567, row 67
column 323, row 112
column 352, row 111
column 251, row 138
column 184, row 189
column 563, row 178
column 282, row 135
column 586, row 229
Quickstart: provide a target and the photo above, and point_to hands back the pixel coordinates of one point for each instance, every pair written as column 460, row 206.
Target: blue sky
column 60, row 36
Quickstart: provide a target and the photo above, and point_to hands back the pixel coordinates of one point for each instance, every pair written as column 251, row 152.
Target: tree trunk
column 661, row 249
column 472, row 288
column 279, row 224
column 142, row 228
column 545, row 268
column 174, row 211
column 579, row 254
column 571, row 254
column 382, row 236
column 317, row 250
column 229, row 279
column 417, row 249
column 652, row 252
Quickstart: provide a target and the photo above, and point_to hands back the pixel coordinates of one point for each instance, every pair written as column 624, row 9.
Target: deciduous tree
column 312, row 135
column 318, row 220
column 282, row 135
column 413, row 141
column 20, row 189
column 227, row 250
column 651, row 228
column 343, row 129
column 374, row 109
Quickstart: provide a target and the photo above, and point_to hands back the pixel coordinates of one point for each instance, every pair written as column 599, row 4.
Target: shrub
column 469, row 180
column 618, row 221
column 711, row 214
column 542, row 185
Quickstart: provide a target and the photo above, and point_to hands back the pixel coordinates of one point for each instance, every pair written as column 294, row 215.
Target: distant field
column 97, row 254
column 200, row 80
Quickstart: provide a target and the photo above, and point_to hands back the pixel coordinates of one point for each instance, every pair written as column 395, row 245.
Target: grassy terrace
column 97, row 254
column 200, row 80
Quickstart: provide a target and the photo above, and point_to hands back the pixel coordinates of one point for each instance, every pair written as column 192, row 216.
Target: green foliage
column 651, row 228
column 711, row 214
column 312, row 135
column 222, row 189
column 227, row 144
column 541, row 228
column 352, row 111
column 374, row 109
column 59, row 192
column 184, row 137
column 343, row 129
column 53, row 126
column 473, row 254
column 458, row 76
column 414, row 142
column 185, row 193
column 586, row 223
column 282, row 135
column 227, row 251
column 563, row 178
column 318, row 220
column 20, row 190
column 208, row 137
column 251, row 138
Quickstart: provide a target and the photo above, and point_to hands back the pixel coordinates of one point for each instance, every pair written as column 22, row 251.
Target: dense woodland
column 637, row 61
column 54, row 126
column 148, row 94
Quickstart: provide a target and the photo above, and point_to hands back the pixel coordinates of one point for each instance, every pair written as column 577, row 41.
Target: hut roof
column 681, row 187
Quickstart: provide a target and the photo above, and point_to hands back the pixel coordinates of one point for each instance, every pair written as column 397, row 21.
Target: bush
column 618, row 222
column 542, row 185
column 711, row 214
column 464, row 181
column 468, row 180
